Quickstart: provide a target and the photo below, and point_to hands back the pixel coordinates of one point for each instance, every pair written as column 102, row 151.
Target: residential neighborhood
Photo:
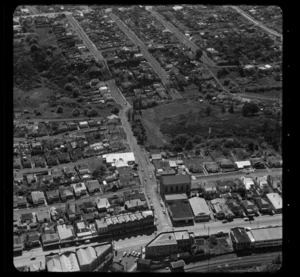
column 147, row 138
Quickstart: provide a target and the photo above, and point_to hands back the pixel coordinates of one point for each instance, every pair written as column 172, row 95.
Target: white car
column 124, row 254
column 246, row 219
column 128, row 254
column 150, row 176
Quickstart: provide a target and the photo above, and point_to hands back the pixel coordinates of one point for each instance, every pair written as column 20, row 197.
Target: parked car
column 246, row 219
column 224, row 221
column 124, row 254
column 150, row 176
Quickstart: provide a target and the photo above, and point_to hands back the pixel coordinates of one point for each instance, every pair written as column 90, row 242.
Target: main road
column 161, row 73
column 257, row 23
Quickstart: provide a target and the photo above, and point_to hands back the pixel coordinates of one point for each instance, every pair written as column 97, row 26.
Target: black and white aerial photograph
column 147, row 138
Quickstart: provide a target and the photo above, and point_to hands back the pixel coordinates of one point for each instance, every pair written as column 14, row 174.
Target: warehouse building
column 114, row 158
column 200, row 209
column 170, row 198
column 266, row 236
column 180, row 213
column 87, row 259
column 275, row 201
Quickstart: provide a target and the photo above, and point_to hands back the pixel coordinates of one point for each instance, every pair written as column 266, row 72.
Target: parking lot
column 126, row 259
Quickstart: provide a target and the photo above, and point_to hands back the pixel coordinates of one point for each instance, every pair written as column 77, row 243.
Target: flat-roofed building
column 87, row 259
column 170, row 198
column 266, row 237
column 66, row 233
column 49, row 240
column 275, row 201
column 101, row 226
column 200, row 209
column 243, row 164
column 82, row 230
column 127, row 157
column 180, row 213
column 104, row 254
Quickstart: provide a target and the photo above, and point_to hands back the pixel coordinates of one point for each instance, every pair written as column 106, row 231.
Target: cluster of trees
column 134, row 117
column 185, row 142
column 263, row 88
column 249, row 109
column 99, row 171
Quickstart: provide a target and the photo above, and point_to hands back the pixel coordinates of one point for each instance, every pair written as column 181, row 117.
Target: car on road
column 161, row 203
column 124, row 254
column 32, row 258
column 246, row 219
column 224, row 221
column 120, row 260
column 150, row 176
column 128, row 254
column 142, row 169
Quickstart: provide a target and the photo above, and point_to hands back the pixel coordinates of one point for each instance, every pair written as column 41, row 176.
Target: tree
column 249, row 109
column 208, row 110
column 94, row 82
column 92, row 112
column 197, row 152
column 75, row 112
column 181, row 139
column 115, row 110
column 76, row 92
column 223, row 110
column 59, row 109
column 99, row 171
column 34, row 47
column 197, row 139
column 199, row 54
column 231, row 110
column 69, row 87
column 189, row 145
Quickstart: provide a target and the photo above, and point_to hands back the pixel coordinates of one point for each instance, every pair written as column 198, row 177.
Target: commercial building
column 266, row 236
column 104, row 255
column 170, row 198
column 243, row 164
column 275, row 201
column 82, row 230
column 240, row 239
column 180, row 213
column 113, row 158
column 69, row 262
column 175, row 184
column 87, row 259
column 66, row 233
column 247, row 182
column 200, row 209
column 50, row 240
column 167, row 243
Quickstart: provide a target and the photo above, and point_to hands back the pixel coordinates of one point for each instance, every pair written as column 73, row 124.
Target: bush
column 92, row 112
column 69, row 87
column 59, row 109
column 34, row 47
column 94, row 82
column 115, row 110
column 75, row 112
column 76, row 92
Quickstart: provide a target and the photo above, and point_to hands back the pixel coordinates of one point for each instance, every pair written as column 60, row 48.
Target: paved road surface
column 88, row 43
column 262, row 26
column 134, row 38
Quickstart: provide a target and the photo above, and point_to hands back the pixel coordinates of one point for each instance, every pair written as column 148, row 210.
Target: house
column 21, row 202
column 73, row 212
column 217, row 206
column 102, row 204
column 227, row 165
column 43, row 216
column 234, row 207
column 66, row 193
column 27, row 218
column 82, row 230
column 49, row 240
column 249, row 207
column 263, row 205
column 18, row 245
column 32, row 239
column 257, row 163
column 247, row 182
column 83, row 169
column 52, row 196
column 83, row 124
column 66, row 233
column 243, row 164
column 263, row 184
column 38, row 198
column 200, row 209
column 93, row 186
column 89, row 206
column 79, row 189
column 69, row 171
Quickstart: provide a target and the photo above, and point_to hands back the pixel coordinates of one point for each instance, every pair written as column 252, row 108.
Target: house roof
column 242, row 164
column 50, row 238
column 240, row 234
column 65, row 232
column 173, row 197
column 113, row 157
column 176, row 180
column 199, row 206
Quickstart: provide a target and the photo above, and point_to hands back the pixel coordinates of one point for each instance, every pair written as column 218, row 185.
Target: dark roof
column 144, row 261
column 240, row 235
column 176, row 179
column 50, row 238
column 33, row 237
column 181, row 210
column 117, row 267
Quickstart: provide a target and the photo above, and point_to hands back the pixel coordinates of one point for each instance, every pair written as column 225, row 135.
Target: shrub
column 115, row 110
column 59, row 109
column 75, row 112
column 69, row 87
column 92, row 112
column 76, row 92
column 34, row 47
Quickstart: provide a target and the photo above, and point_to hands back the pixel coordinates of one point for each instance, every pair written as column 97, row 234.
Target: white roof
column 102, row 203
column 83, row 123
column 69, row 262
column 242, row 164
column 199, row 206
column 79, row 187
column 113, row 157
column 248, row 182
column 86, row 256
column 64, row 232
column 147, row 213
column 120, row 163
column 172, row 163
column 54, row 265
column 275, row 200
